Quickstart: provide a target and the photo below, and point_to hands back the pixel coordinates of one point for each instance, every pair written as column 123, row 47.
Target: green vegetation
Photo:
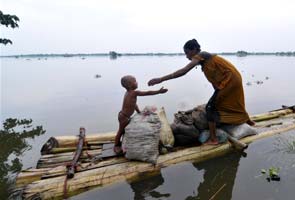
column 8, row 20
column 272, row 173
column 13, row 143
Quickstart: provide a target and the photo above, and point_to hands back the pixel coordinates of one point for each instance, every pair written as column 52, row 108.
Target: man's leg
column 212, row 117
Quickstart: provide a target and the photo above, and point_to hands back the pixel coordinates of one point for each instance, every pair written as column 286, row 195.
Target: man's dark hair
column 192, row 45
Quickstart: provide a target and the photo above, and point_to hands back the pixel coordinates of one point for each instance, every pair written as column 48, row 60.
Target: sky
column 136, row 26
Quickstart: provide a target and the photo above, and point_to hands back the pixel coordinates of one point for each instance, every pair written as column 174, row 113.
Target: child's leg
column 117, row 146
column 123, row 122
column 120, row 132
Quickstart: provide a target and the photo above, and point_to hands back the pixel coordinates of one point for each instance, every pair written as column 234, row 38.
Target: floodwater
column 62, row 94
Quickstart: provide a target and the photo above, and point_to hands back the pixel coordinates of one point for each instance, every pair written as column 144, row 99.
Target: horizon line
column 113, row 53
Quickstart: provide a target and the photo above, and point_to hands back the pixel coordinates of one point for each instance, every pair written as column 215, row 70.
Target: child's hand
column 163, row 90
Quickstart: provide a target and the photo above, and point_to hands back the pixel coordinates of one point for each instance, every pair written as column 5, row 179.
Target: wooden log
column 53, row 188
column 100, row 142
column 286, row 107
column 100, row 138
column 71, row 141
column 85, row 153
column 28, row 176
column 271, row 115
column 52, row 160
column 72, row 149
column 236, row 143
column 275, row 121
column 72, row 168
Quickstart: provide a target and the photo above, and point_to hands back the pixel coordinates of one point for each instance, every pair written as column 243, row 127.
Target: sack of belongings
column 166, row 135
column 220, row 134
column 239, row 131
column 188, row 124
column 191, row 126
column 142, row 136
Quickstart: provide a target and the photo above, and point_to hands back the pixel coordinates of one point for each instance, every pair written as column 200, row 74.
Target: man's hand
column 154, row 81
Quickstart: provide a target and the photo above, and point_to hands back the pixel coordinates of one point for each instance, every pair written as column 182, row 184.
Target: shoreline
column 113, row 54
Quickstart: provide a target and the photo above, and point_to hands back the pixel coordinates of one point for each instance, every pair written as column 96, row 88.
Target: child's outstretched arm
column 151, row 92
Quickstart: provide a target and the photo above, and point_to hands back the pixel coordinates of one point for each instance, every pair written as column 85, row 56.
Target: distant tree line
column 115, row 55
column 245, row 53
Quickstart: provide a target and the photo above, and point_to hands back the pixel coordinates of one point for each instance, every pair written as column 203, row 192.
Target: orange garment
column 230, row 102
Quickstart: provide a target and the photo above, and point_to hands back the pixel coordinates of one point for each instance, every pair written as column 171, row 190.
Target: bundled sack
column 184, row 134
column 166, row 135
column 142, row 136
column 199, row 117
column 188, row 124
column 196, row 116
column 220, row 134
column 184, row 131
column 239, row 131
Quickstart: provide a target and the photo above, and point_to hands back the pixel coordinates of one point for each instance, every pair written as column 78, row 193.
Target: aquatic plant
column 272, row 173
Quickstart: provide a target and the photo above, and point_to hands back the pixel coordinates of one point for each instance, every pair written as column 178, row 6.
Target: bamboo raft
column 49, row 179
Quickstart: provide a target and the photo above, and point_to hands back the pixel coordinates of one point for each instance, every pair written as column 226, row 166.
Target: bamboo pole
column 71, row 141
column 28, row 176
column 53, row 187
column 68, row 154
column 236, row 143
column 31, row 175
column 59, row 150
column 100, row 138
column 53, row 160
column 271, row 115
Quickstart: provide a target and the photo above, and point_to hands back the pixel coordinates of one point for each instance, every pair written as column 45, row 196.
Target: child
column 129, row 106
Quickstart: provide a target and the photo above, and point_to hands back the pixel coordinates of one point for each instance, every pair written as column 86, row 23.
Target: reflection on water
column 219, row 177
column 147, row 188
column 285, row 144
column 13, row 144
column 232, row 176
column 218, row 181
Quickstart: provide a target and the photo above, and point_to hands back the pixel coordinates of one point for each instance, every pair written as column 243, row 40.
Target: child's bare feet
column 250, row 122
column 212, row 142
column 118, row 149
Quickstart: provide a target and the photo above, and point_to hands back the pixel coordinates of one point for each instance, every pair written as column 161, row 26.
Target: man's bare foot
column 118, row 150
column 250, row 122
column 212, row 142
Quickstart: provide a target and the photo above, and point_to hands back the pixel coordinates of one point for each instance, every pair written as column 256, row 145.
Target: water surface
column 62, row 94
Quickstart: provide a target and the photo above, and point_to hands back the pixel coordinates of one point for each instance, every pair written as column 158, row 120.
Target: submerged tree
column 8, row 20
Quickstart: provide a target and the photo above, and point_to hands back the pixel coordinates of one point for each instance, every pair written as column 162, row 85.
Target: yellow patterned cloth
column 230, row 101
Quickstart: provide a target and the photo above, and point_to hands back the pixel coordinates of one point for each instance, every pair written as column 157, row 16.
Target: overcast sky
column 89, row 26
